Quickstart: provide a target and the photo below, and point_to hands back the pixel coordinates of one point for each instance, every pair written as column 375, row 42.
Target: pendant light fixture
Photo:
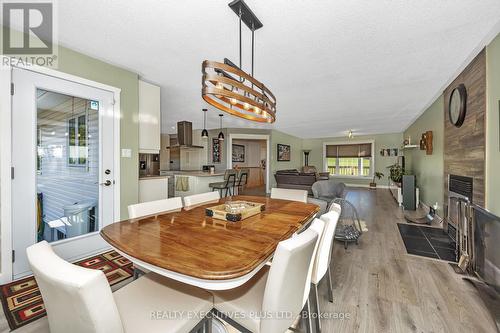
column 221, row 135
column 204, row 133
column 228, row 88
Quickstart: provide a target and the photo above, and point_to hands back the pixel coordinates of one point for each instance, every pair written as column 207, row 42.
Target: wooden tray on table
column 235, row 211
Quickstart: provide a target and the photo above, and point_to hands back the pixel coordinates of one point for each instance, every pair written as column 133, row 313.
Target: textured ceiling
column 370, row 66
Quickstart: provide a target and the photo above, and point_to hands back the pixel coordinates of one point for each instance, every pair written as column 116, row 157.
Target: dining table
column 188, row 246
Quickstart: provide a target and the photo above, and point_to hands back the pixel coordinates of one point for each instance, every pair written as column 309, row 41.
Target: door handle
column 106, row 183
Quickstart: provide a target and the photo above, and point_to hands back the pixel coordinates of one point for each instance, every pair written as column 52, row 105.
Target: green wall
column 429, row 169
column 492, row 126
column 393, row 140
column 295, row 153
column 78, row 64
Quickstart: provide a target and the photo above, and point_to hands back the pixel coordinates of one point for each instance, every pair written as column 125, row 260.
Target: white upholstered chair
column 274, row 290
column 154, row 207
column 79, row 300
column 323, row 258
column 202, row 198
column 289, row 194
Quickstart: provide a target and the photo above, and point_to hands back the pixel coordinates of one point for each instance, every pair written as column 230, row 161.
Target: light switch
column 127, row 153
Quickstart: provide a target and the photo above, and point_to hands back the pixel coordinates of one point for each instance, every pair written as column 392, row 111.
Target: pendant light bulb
column 246, row 106
column 219, row 86
column 233, row 101
column 221, row 135
column 204, row 133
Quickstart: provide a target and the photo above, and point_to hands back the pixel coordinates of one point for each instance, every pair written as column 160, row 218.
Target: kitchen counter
column 153, row 177
column 196, row 182
column 198, row 173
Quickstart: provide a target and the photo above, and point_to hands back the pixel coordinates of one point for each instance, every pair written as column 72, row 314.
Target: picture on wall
column 283, row 152
column 238, row 153
column 216, row 150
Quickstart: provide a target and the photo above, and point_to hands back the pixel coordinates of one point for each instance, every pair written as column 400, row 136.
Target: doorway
column 251, row 152
column 64, row 170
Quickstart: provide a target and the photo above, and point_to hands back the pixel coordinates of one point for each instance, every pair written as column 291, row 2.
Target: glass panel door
column 67, row 179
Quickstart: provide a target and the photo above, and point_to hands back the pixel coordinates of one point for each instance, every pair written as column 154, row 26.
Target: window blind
column 349, row 150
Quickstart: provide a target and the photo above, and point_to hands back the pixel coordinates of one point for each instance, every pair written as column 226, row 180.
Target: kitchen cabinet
column 153, row 188
column 149, row 118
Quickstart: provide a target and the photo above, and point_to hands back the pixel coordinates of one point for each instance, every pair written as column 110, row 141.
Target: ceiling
column 370, row 66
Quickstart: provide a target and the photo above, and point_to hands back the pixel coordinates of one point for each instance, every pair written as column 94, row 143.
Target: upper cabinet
column 149, row 118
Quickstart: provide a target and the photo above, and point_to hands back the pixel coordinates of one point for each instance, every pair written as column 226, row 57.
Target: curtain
column 349, row 150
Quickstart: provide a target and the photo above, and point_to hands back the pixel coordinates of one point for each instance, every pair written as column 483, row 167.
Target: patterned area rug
column 22, row 301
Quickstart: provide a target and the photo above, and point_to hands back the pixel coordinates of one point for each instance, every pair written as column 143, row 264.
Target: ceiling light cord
column 240, row 37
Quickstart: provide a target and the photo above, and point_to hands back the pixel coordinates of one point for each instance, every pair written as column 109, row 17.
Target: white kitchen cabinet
column 149, row 118
column 153, row 188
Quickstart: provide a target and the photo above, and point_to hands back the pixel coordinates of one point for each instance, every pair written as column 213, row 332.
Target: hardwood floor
column 380, row 288
column 383, row 289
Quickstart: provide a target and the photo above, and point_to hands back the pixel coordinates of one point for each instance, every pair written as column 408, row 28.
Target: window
column 349, row 159
column 77, row 141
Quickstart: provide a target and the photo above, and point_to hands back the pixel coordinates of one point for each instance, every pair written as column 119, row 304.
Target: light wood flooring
column 380, row 288
column 383, row 289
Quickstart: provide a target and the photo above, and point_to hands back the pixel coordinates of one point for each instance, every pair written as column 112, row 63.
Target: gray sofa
column 328, row 190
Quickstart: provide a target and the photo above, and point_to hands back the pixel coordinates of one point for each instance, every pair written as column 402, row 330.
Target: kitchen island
column 194, row 182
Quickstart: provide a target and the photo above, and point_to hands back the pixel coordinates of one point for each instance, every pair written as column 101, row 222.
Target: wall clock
column 457, row 105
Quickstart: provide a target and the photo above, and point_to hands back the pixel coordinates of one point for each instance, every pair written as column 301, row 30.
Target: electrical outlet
column 127, row 153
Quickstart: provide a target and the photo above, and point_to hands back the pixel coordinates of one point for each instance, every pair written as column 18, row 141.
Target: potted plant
column 396, row 173
column 377, row 175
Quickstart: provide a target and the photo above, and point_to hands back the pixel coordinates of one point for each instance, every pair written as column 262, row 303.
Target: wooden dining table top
column 189, row 243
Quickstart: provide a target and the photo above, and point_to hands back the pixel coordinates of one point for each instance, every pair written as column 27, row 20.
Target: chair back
column 289, row 194
column 197, row 199
column 77, row 299
column 154, row 207
column 323, row 255
column 287, row 281
column 318, row 226
column 243, row 176
column 230, row 176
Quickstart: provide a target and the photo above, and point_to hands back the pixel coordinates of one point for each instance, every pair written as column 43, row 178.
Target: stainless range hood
column 185, row 136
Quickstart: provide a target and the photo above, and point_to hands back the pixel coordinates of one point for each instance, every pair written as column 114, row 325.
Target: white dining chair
column 154, row 207
column 323, row 257
column 79, row 300
column 274, row 290
column 289, row 194
column 151, row 208
column 202, row 198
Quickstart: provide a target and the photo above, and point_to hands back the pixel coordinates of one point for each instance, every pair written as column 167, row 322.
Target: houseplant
column 377, row 175
column 396, row 173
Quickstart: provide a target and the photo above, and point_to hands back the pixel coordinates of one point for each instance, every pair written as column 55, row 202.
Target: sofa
column 294, row 179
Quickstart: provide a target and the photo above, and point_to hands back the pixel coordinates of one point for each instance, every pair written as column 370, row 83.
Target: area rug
column 22, row 302
column 427, row 242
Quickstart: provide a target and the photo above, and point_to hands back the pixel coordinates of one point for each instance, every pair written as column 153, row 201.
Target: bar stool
column 227, row 184
column 242, row 179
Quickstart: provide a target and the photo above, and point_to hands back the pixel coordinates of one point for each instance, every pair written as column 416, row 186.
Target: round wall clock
column 457, row 105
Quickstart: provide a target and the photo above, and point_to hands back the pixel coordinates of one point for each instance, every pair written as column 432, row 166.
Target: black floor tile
column 432, row 231
column 422, row 253
column 410, row 230
column 427, row 242
column 417, row 243
column 446, row 254
column 444, row 242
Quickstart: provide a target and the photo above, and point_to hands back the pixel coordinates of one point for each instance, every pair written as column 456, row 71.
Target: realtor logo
column 28, row 34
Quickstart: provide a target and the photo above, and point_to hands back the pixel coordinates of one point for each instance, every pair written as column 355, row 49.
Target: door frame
column 6, row 155
column 265, row 137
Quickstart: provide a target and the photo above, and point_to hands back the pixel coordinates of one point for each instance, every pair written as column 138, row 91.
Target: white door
column 62, row 158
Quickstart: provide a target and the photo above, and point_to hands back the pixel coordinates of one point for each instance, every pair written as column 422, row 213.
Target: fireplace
column 458, row 224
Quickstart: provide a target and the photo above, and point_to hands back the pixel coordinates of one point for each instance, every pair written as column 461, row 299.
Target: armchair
column 328, row 190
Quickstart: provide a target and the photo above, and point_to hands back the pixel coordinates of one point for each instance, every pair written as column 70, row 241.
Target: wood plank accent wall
column 464, row 147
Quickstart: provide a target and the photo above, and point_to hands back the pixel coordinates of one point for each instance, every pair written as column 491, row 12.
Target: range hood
column 184, row 136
